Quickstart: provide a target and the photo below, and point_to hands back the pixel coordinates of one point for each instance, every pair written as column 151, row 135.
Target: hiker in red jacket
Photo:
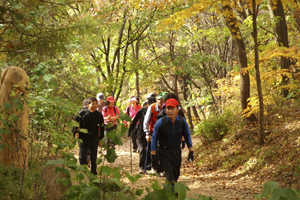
column 110, row 114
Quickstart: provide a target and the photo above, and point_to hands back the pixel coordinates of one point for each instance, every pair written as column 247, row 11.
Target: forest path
column 219, row 185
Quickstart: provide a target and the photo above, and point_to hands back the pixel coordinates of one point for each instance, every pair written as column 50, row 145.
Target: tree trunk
column 137, row 83
column 231, row 22
column 196, row 114
column 282, row 35
column 185, row 96
column 258, row 80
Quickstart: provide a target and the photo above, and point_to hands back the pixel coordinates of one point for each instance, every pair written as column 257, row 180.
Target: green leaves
column 273, row 192
column 131, row 178
column 111, row 155
column 54, row 162
column 181, row 189
column 7, row 105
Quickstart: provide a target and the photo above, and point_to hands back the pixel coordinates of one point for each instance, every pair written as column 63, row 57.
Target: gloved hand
column 182, row 144
column 148, row 138
column 154, row 162
column 191, row 156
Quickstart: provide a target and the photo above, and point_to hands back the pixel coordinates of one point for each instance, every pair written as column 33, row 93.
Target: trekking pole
column 146, row 158
column 130, row 156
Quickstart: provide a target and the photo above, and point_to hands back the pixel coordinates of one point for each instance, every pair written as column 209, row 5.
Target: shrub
column 215, row 127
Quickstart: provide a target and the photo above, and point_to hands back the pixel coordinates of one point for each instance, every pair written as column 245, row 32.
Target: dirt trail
column 219, row 185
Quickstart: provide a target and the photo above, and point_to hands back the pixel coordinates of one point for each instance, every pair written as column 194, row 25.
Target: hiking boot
column 162, row 174
column 134, row 150
column 141, row 171
column 152, row 171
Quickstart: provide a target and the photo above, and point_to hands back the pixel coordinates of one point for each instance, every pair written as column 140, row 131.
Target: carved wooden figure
column 14, row 85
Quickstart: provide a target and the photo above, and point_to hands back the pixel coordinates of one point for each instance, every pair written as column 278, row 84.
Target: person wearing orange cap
column 168, row 131
column 110, row 114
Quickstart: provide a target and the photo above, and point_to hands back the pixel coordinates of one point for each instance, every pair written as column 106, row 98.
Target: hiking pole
column 146, row 158
column 130, row 156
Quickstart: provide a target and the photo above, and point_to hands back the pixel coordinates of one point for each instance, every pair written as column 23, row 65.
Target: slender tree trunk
column 276, row 11
column 196, row 114
column 231, row 22
column 137, row 83
column 185, row 96
column 258, row 80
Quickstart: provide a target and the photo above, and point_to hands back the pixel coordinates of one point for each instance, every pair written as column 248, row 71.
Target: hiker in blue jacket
column 168, row 131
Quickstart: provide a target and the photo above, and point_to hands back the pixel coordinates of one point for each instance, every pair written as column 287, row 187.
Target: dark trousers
column 170, row 160
column 92, row 145
column 134, row 139
column 108, row 128
column 142, row 147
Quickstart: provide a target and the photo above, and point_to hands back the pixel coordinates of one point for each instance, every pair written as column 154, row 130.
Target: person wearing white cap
column 101, row 102
column 131, row 111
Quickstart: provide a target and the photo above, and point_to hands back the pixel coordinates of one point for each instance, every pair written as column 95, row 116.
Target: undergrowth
column 239, row 150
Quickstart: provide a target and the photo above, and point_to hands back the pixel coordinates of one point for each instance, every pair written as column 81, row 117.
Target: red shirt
column 106, row 111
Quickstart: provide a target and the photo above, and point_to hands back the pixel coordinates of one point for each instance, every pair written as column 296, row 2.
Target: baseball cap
column 151, row 95
column 151, row 100
column 162, row 95
column 85, row 103
column 172, row 102
column 100, row 96
column 110, row 99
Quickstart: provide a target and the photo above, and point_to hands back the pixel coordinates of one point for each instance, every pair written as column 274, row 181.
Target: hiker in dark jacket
column 79, row 117
column 131, row 111
column 163, row 112
column 92, row 121
column 137, row 125
column 168, row 131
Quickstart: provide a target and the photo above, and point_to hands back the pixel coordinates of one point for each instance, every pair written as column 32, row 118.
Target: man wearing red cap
column 169, row 131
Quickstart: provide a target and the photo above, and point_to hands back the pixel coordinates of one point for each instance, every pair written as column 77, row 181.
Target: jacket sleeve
column 155, row 135
column 101, row 122
column 147, row 120
column 187, row 134
column 135, row 119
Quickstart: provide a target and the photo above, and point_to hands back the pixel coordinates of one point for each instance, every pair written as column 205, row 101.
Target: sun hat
column 133, row 98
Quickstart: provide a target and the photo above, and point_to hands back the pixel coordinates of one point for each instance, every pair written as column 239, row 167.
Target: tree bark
column 231, row 22
column 258, row 80
column 281, row 32
column 185, row 96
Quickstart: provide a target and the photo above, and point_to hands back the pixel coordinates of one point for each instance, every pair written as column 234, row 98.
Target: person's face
column 172, row 112
column 111, row 104
column 93, row 106
column 133, row 103
column 160, row 102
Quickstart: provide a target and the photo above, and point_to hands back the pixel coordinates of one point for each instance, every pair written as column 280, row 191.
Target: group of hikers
column 158, row 131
